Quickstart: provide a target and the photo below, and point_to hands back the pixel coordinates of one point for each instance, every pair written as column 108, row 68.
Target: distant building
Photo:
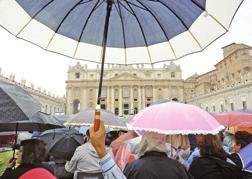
column 128, row 89
column 50, row 104
column 228, row 87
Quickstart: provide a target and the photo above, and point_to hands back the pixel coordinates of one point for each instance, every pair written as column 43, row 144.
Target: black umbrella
column 62, row 142
column 19, row 111
column 16, row 104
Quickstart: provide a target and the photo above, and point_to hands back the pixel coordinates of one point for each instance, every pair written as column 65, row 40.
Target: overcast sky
column 49, row 71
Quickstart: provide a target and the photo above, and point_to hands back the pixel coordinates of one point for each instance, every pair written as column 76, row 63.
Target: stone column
column 139, row 98
column 83, row 99
column 154, row 94
column 69, row 100
column 131, row 109
column 112, row 99
column 120, row 101
column 143, row 97
column 108, row 100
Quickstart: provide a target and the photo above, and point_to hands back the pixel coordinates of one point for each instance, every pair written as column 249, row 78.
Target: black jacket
column 214, row 167
column 155, row 165
column 21, row 169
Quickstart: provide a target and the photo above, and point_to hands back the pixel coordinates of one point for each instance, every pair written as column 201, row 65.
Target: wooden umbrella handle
column 97, row 120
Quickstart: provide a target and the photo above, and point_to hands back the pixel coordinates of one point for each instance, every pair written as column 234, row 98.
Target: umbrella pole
column 15, row 143
column 104, row 45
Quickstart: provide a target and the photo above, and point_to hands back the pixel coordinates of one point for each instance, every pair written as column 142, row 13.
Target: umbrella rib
column 85, row 26
column 136, row 5
column 98, row 5
column 210, row 15
column 34, row 17
column 162, row 28
column 123, row 30
column 83, row 2
column 182, row 22
column 134, row 14
column 55, row 32
column 125, row 8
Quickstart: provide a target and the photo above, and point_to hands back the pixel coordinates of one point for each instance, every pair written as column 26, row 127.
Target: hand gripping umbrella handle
column 97, row 120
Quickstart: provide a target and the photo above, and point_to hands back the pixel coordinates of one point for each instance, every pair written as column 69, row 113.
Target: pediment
column 125, row 76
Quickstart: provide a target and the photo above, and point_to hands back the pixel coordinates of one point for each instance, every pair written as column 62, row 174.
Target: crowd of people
column 152, row 156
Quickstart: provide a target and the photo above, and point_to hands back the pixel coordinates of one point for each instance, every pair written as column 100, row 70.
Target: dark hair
column 209, row 144
column 243, row 138
column 87, row 133
column 34, row 151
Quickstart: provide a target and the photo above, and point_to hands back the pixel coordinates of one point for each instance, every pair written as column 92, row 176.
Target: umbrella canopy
column 246, row 157
column 62, row 118
column 86, row 118
column 38, row 122
column 161, row 101
column 19, row 111
column 16, row 104
column 175, row 118
column 138, row 31
column 62, row 142
column 234, row 119
column 244, row 110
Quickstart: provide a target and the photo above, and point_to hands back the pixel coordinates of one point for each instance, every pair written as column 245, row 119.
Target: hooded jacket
column 85, row 159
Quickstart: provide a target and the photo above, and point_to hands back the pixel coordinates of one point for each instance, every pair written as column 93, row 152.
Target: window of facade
column 135, row 110
column 158, row 75
column 244, row 105
column 233, row 75
column 207, row 108
column 232, row 106
column 103, row 106
column 148, row 104
column 125, row 109
column 91, row 75
column 77, row 75
column 116, row 111
column 76, row 106
column 172, row 74
column 135, row 99
column 213, row 108
column 222, row 108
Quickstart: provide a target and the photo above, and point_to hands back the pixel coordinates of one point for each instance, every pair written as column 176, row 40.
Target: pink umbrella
column 175, row 118
column 234, row 119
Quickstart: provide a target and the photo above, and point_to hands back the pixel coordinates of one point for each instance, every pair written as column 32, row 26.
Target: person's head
column 152, row 141
column 31, row 151
column 121, row 132
column 111, row 136
column 241, row 139
column 209, row 144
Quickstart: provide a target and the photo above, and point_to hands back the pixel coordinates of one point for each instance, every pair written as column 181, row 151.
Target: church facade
column 128, row 89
